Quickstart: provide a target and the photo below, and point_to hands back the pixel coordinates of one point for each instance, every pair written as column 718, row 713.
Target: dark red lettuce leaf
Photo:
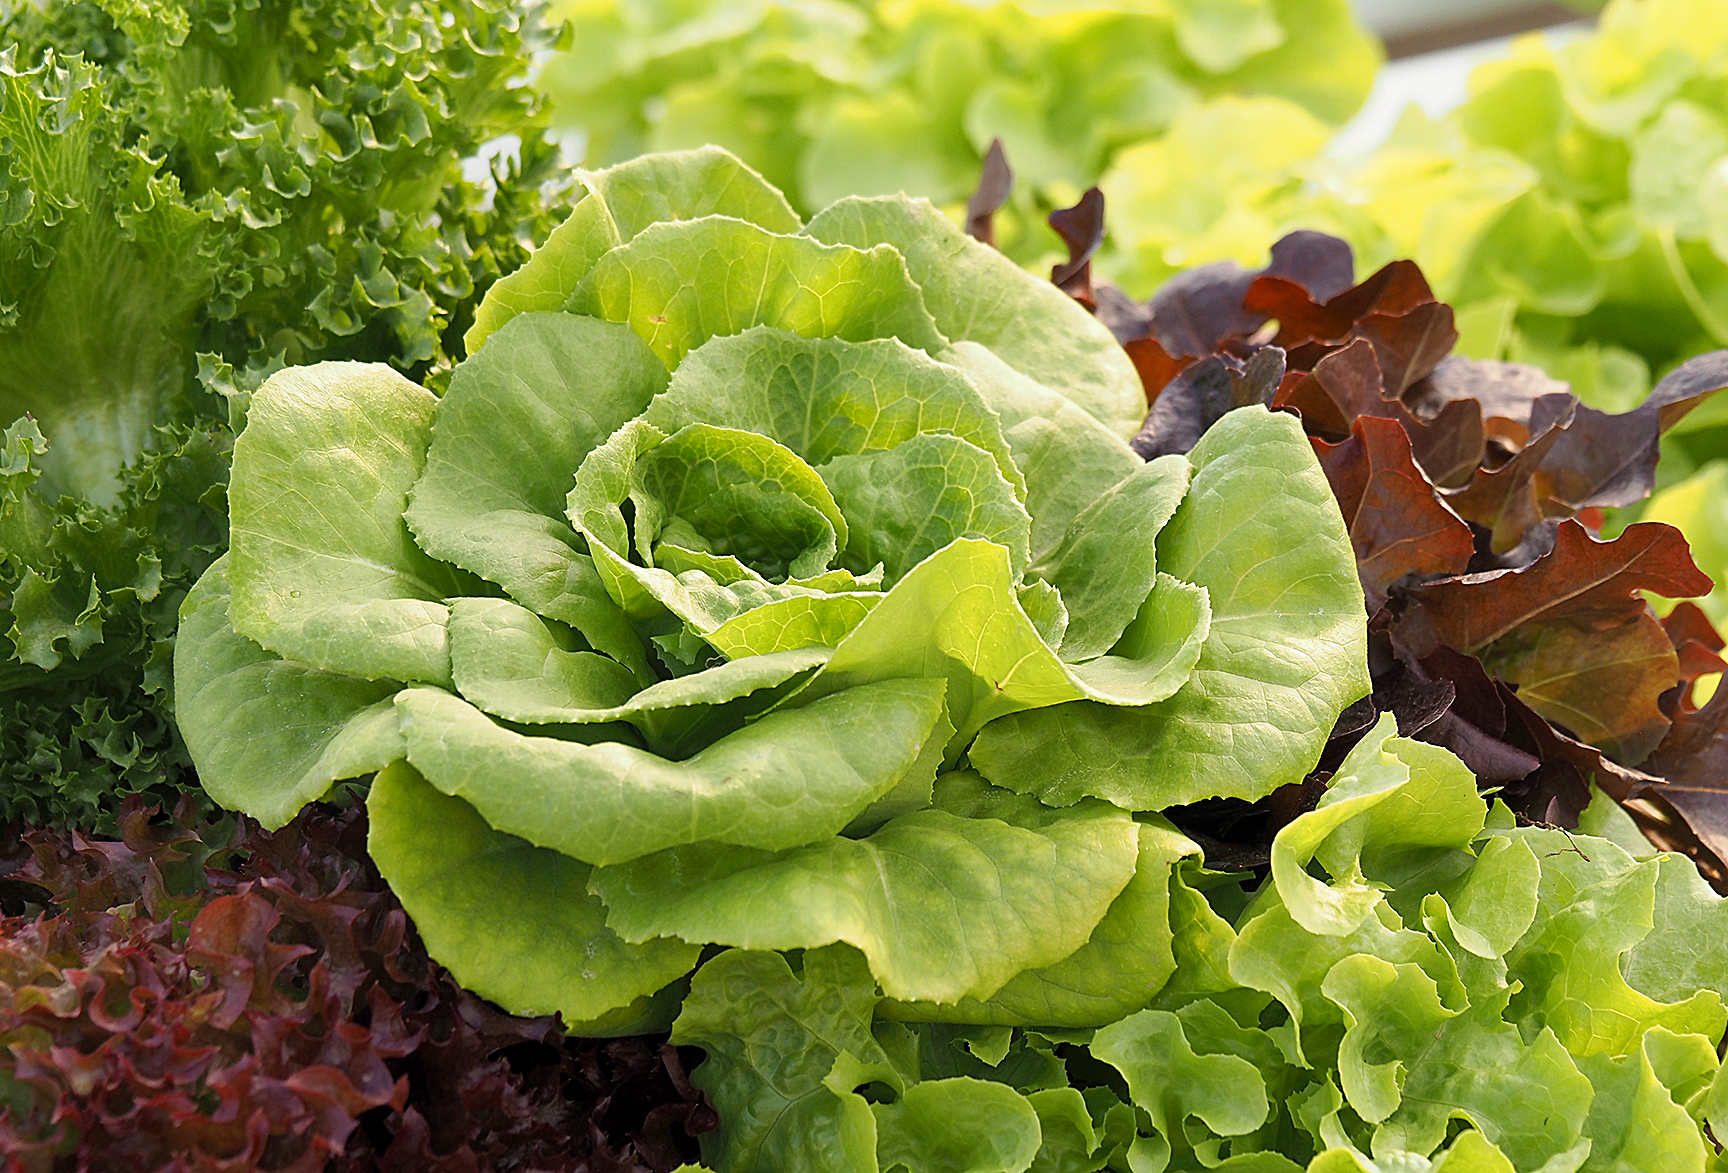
column 995, row 184
column 274, row 1010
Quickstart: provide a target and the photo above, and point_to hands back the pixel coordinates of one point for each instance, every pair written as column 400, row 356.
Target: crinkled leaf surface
column 772, row 1037
column 552, row 952
column 680, row 284
column 1067, row 458
column 323, row 568
column 825, row 397
column 976, row 294
column 507, row 439
column 906, row 504
column 1286, row 650
column 786, row 779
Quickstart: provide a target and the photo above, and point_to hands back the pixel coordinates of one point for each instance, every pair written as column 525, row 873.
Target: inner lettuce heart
column 732, row 595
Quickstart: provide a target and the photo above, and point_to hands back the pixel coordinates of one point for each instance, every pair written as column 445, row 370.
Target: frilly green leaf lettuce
column 192, row 195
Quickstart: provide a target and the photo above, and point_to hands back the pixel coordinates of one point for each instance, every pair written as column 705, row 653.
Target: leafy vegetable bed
column 793, row 588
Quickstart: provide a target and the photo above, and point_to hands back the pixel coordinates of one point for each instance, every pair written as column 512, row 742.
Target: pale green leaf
column 323, row 568
column 680, row 284
column 1527, row 1098
column 1591, row 911
column 269, row 736
column 513, row 664
column 786, row 779
column 1635, row 1126
column 827, row 397
column 976, row 294
column 507, row 439
column 905, row 504
column 1173, row 1084
column 1067, row 458
column 943, row 906
column 1118, row 970
column 618, row 203
column 553, row 952
column 1286, row 651
column 957, row 1125
column 1106, row 563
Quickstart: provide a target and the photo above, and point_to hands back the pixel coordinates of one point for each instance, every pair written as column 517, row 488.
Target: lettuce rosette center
column 772, row 585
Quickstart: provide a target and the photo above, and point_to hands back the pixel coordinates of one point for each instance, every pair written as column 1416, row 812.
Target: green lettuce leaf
column 1286, row 650
column 943, row 906
column 772, row 1038
column 453, row 873
column 509, row 435
column 680, row 284
column 323, row 568
column 271, row 735
column 788, row 778
column 977, row 295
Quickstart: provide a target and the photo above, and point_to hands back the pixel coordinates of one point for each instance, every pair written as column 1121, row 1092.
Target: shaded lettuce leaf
column 944, row 906
column 452, row 872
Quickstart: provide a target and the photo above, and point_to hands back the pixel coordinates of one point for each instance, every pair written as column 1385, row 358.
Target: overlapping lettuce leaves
column 831, row 98
column 193, row 192
column 676, row 621
column 1420, row 984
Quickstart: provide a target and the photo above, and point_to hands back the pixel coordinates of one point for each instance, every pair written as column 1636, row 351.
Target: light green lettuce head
column 736, row 592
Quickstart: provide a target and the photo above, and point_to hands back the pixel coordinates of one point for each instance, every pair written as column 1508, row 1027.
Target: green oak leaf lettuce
column 684, row 608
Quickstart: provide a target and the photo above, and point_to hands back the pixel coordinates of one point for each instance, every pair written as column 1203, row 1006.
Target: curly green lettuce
column 1419, row 984
column 735, row 593
column 191, row 195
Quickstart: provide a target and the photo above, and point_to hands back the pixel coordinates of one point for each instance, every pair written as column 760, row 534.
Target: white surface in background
column 1437, row 82
column 1390, row 18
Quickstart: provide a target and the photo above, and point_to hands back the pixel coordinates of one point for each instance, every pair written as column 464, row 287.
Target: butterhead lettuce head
column 769, row 584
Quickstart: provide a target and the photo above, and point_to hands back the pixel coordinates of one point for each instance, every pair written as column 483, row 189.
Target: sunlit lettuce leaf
column 978, row 295
column 1173, row 1084
column 1396, row 809
column 1067, row 458
column 788, row 778
column 1286, row 649
column 1589, row 915
column 1118, row 970
column 452, row 873
column 944, row 906
column 679, row 284
column 271, row 735
column 827, row 397
column 618, row 203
